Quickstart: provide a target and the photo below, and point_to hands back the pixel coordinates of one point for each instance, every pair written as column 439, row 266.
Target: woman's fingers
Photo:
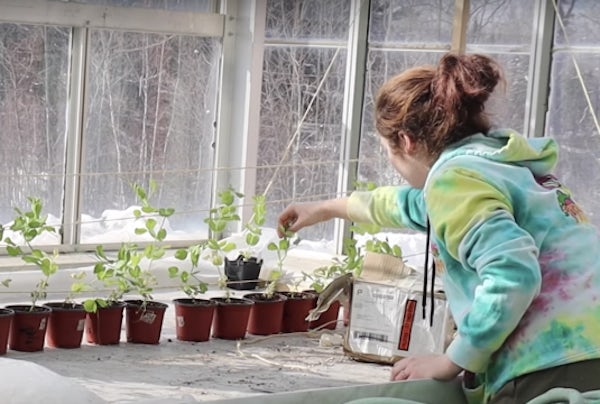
column 399, row 371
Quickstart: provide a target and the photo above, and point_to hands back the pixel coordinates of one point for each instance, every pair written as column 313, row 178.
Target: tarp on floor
column 421, row 391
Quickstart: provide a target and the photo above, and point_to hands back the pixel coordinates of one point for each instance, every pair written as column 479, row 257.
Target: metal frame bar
column 75, row 119
column 238, row 123
column 353, row 107
column 107, row 17
column 539, row 70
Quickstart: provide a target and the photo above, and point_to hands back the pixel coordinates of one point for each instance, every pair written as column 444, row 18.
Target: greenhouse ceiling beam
column 69, row 14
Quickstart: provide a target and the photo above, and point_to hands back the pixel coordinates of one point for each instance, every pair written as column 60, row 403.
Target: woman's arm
column 299, row 215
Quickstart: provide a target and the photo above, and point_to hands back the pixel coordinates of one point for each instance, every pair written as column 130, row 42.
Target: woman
column 516, row 254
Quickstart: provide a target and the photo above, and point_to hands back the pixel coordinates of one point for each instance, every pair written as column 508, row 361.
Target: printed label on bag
column 407, row 324
column 180, row 321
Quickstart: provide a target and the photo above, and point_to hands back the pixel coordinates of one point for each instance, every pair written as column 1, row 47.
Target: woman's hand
column 298, row 216
column 438, row 367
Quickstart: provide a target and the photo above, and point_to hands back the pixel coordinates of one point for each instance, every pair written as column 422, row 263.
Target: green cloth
column 555, row 396
column 420, row 391
column 567, row 396
column 408, row 392
column 382, row 400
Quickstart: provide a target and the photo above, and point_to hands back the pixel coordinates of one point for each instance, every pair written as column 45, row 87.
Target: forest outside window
column 147, row 113
column 34, row 78
column 150, row 114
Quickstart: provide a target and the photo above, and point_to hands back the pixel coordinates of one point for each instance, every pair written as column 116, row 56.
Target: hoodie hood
column 539, row 155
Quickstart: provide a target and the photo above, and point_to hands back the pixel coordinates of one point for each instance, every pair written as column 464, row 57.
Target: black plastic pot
column 242, row 273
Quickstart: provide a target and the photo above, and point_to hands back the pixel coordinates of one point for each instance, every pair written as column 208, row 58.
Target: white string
column 576, row 65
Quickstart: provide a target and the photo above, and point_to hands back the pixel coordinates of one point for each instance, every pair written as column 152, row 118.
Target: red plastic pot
column 65, row 325
column 104, row 326
column 193, row 319
column 6, row 317
column 266, row 314
column 143, row 322
column 296, row 308
column 28, row 328
column 231, row 317
column 328, row 319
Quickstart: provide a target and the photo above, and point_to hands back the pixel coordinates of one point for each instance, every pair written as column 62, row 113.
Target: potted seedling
column 130, row 272
column 320, row 278
column 266, row 316
column 144, row 316
column 193, row 315
column 66, row 323
column 216, row 248
column 231, row 314
column 123, row 275
column 105, row 314
column 28, row 328
column 297, row 307
column 243, row 272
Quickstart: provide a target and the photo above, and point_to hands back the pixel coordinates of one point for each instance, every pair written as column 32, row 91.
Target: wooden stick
column 459, row 26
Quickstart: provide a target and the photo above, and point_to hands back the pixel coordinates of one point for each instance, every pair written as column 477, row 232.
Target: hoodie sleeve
column 474, row 223
column 390, row 206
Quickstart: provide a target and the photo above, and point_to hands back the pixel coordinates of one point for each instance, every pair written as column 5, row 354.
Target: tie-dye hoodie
column 517, row 256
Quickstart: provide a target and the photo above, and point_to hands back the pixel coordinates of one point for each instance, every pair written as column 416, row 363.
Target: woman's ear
column 410, row 146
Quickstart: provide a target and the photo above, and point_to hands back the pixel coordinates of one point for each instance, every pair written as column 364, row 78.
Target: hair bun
column 467, row 78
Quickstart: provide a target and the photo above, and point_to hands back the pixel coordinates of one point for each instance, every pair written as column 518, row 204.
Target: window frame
column 241, row 26
column 81, row 19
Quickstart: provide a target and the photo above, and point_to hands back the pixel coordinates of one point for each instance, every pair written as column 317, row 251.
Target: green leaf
column 252, row 239
column 173, row 271
column 100, row 252
column 148, row 209
column 220, row 226
column 150, row 224
column 226, row 197
column 181, row 254
column 77, row 287
column 229, row 246
column 166, row 212
column 90, row 305
column 13, row 251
